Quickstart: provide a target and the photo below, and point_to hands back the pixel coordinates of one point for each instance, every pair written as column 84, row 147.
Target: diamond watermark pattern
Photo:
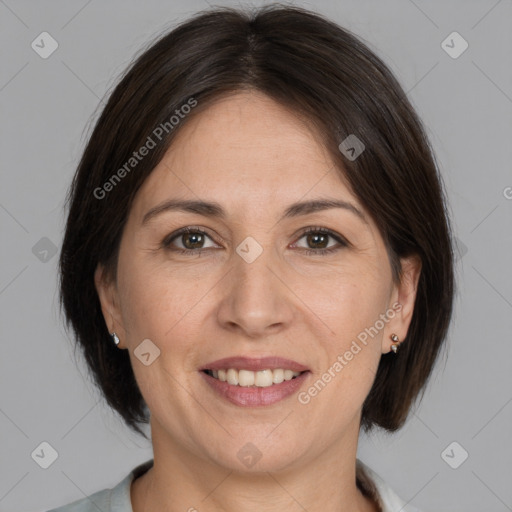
column 461, row 249
column 351, row 147
column 147, row 352
column 454, row 45
column 249, row 249
column 44, row 45
column 44, row 250
column 44, row 455
column 454, row 455
column 249, row 455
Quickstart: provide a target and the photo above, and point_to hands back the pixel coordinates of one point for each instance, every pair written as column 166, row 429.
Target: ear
column 109, row 300
column 402, row 301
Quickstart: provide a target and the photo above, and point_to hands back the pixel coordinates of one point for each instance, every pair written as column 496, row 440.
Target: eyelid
column 166, row 242
column 342, row 241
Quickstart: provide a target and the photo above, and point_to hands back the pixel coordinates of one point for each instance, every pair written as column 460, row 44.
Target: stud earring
column 396, row 343
column 115, row 338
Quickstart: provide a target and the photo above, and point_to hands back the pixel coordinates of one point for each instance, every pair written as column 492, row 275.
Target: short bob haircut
column 322, row 73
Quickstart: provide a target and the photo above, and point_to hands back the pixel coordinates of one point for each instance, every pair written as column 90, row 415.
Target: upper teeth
column 262, row 378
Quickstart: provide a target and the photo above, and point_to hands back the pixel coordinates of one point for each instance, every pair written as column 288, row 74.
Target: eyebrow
column 215, row 210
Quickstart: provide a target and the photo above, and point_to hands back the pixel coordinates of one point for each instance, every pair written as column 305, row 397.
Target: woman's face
column 254, row 286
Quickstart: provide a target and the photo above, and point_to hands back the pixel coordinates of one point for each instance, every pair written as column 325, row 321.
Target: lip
column 255, row 396
column 255, row 364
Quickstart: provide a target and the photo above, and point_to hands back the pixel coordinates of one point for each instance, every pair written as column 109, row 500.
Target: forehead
column 248, row 151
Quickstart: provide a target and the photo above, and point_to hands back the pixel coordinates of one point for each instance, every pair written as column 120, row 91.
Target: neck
column 327, row 484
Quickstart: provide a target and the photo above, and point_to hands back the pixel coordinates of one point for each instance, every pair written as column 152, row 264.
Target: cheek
column 352, row 302
column 160, row 309
column 354, row 316
column 165, row 307
column 351, row 356
column 152, row 300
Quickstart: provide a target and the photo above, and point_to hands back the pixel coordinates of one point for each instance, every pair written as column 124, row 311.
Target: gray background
column 46, row 105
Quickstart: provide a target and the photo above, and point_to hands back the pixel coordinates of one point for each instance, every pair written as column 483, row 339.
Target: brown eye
column 192, row 240
column 187, row 240
column 317, row 241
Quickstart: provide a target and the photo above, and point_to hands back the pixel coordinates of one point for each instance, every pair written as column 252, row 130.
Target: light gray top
column 117, row 499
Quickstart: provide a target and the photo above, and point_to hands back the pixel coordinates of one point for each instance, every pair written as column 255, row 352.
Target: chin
column 259, row 456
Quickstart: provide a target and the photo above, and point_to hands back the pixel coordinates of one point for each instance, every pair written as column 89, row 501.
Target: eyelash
column 166, row 243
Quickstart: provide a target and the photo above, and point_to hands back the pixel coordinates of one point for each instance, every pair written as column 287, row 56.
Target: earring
column 115, row 338
column 396, row 343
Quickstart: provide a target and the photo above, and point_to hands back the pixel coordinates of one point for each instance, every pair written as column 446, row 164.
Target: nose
column 256, row 299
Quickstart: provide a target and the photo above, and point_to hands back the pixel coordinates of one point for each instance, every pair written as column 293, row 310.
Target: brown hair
column 319, row 70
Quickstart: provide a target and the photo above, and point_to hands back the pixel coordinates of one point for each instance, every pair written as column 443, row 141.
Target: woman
column 257, row 261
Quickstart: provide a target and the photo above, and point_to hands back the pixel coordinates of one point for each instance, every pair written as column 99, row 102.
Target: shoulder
column 116, row 499
column 99, row 500
column 373, row 485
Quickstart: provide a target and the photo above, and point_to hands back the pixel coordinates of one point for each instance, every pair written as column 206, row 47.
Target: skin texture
column 255, row 158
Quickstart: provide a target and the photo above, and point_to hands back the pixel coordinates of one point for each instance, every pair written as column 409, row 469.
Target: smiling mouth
column 248, row 378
